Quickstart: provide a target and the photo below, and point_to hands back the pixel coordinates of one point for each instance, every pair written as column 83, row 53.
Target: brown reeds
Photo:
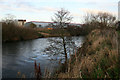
column 47, row 73
column 100, row 58
column 38, row 73
column 20, row 75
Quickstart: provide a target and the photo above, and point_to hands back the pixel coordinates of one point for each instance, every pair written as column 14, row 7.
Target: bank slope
column 97, row 58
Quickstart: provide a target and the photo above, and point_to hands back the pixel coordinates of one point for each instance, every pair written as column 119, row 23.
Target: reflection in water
column 20, row 57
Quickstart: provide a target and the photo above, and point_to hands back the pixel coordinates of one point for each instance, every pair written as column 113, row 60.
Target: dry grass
column 11, row 32
column 98, row 57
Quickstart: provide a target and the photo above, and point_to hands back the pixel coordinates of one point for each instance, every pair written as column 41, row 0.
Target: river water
column 20, row 57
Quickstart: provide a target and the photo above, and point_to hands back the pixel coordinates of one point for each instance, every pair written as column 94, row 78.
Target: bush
column 76, row 31
column 12, row 32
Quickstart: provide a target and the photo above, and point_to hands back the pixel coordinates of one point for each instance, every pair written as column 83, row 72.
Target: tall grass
column 97, row 58
column 12, row 32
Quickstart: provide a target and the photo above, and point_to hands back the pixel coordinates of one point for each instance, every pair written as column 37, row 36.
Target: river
column 20, row 57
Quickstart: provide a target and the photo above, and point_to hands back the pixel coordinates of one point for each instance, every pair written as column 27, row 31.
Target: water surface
column 20, row 57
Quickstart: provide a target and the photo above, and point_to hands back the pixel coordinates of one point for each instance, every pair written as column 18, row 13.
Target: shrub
column 12, row 32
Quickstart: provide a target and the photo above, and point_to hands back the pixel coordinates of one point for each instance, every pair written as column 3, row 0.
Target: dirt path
column 45, row 34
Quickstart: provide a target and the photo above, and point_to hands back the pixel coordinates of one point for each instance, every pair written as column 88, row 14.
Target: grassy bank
column 97, row 58
column 11, row 32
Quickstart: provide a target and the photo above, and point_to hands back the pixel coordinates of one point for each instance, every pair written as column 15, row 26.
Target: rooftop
column 22, row 20
column 53, row 22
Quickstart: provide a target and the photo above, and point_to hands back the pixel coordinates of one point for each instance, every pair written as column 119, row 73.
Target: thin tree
column 63, row 44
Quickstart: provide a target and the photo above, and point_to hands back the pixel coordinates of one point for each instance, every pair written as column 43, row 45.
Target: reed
column 38, row 73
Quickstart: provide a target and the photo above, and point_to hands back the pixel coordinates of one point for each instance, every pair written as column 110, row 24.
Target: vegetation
column 101, row 20
column 60, row 45
column 12, row 32
column 91, row 22
column 98, row 57
column 76, row 30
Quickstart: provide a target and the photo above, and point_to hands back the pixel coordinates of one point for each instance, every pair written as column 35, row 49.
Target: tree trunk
column 64, row 45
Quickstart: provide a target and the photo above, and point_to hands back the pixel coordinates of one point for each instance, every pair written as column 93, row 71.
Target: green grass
column 118, row 32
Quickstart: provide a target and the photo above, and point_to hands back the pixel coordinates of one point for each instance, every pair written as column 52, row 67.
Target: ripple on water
column 20, row 56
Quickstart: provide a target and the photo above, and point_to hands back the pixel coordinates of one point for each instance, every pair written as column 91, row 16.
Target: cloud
column 95, row 11
column 56, row 1
column 50, row 9
column 76, row 14
column 23, row 7
column 37, row 7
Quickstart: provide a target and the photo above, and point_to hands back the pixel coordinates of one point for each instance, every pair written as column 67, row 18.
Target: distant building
column 21, row 22
column 75, row 24
column 17, row 22
column 38, row 24
column 41, row 24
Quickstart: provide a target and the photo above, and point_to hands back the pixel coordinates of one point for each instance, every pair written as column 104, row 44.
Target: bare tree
column 100, row 20
column 62, row 44
column 106, row 19
column 62, row 18
column 9, row 19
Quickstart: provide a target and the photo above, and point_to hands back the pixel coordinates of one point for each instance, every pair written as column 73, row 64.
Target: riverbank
column 97, row 58
column 12, row 32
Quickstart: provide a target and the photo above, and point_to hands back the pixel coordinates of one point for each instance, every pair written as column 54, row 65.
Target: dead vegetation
column 97, row 58
column 11, row 32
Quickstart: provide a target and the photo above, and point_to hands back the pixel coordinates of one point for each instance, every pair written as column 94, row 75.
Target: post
column 119, row 34
column 118, row 26
column 0, row 50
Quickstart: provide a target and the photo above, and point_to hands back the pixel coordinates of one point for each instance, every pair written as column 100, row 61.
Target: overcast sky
column 43, row 10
